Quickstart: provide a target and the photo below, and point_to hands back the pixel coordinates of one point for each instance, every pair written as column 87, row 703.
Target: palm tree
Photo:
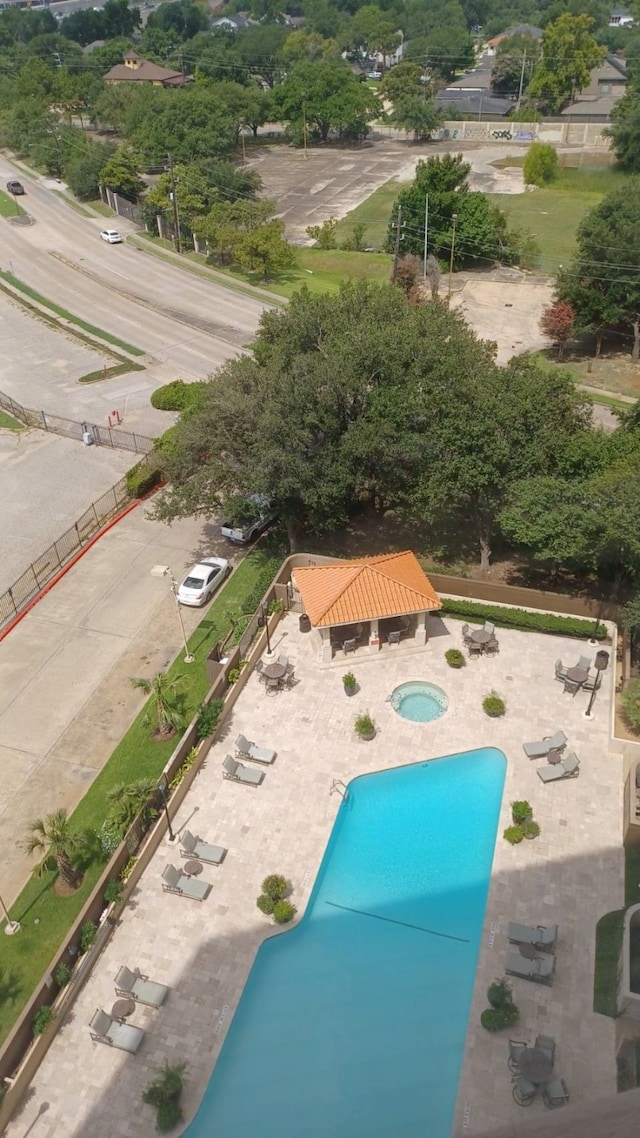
column 162, row 690
column 127, row 800
column 53, row 837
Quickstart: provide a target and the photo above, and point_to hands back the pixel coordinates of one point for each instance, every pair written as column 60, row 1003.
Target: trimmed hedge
column 523, row 620
column 177, row 396
column 142, row 478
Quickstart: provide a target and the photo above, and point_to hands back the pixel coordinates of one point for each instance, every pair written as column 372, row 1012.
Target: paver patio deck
column 570, row 875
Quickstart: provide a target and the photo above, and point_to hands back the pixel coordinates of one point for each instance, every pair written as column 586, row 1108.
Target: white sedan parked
column 202, row 580
column 111, row 236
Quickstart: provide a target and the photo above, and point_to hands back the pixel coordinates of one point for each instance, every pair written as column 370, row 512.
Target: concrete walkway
column 65, row 696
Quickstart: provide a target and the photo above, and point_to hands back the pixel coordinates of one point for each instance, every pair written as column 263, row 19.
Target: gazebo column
column 327, row 650
column 420, row 636
column 374, row 635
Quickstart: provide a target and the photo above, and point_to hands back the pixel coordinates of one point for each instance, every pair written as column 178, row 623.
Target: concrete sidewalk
column 65, row 696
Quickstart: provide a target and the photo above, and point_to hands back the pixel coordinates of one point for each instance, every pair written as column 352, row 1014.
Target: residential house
column 595, row 102
column 620, row 18
column 491, row 46
column 239, row 22
column 135, row 69
column 471, row 94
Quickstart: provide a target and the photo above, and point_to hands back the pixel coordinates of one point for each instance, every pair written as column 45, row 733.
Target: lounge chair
column 555, row 1093
column 104, row 1029
column 516, row 1047
column 394, row 637
column 538, row 936
column 239, row 773
column 523, row 1091
column 195, row 847
column 540, row 970
column 249, row 750
column 140, row 988
column 549, row 743
column 569, row 767
column 547, row 1044
column 175, row 882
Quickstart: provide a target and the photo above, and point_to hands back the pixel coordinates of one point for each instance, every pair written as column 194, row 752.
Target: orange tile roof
column 343, row 592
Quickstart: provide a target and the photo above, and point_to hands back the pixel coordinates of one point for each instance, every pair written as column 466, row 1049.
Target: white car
column 260, row 515
column 202, row 580
column 111, row 236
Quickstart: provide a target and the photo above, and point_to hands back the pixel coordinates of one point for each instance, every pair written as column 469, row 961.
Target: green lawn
column 8, row 423
column 9, row 205
column 45, row 918
column 374, row 213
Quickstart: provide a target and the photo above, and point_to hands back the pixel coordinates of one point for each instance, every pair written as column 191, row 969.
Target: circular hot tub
column 419, row 701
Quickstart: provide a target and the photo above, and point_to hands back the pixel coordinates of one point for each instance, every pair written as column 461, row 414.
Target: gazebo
column 364, row 604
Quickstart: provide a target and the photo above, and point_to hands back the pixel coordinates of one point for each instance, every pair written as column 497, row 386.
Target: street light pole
column 601, row 662
column 11, row 927
column 263, row 622
column 426, row 234
column 165, row 571
column 454, row 218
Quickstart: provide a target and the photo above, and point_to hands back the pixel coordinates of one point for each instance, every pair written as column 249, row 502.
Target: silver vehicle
column 111, row 236
column 202, row 581
column 259, row 514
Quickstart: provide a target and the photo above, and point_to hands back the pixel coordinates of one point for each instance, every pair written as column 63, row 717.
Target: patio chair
column 249, row 750
column 272, row 686
column 539, row 971
column 489, row 627
column 516, row 1047
column 405, row 625
column 140, row 988
column 492, row 647
column 561, row 671
column 549, row 743
column 125, row 1036
column 474, row 649
column 175, row 882
column 237, row 772
column 569, row 767
column 539, row 936
column 394, row 637
column 466, row 634
column 349, row 646
column 555, row 1093
column 283, row 659
column 584, row 662
column 195, row 847
column 592, row 683
column 547, row 1044
column 259, row 670
column 523, row 1091
column 570, row 686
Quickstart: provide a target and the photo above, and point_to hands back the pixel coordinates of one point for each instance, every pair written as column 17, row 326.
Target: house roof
column 343, row 592
column 144, row 72
column 475, row 102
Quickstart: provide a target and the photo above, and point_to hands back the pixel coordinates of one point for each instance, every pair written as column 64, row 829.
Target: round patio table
column 535, row 1065
column 577, row 675
column 123, row 1008
column 274, row 671
column 192, row 868
column 481, row 636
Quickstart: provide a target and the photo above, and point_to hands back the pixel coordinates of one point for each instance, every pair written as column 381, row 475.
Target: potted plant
column 503, row 1012
column 164, row 1094
column 530, row 829
column 513, row 835
column 521, row 812
column 350, row 683
column 365, row 727
column 494, row 706
column 454, row 658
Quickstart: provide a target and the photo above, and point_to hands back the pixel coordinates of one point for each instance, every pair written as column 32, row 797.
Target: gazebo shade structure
column 369, row 590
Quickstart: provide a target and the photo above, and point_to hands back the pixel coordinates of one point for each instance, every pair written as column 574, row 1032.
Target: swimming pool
column 352, row 1025
column 419, row 701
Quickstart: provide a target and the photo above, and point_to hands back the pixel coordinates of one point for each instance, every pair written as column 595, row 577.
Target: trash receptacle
column 304, row 622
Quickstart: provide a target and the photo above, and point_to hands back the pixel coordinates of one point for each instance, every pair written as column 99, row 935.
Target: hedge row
column 142, row 478
column 523, row 620
column 177, row 395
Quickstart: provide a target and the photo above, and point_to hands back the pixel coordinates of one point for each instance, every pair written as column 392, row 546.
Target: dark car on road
column 15, row 188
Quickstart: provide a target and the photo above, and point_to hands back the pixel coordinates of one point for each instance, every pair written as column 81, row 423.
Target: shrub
column 266, row 904
column 521, row 812
column 164, row 1094
column 208, row 716
column 493, row 705
column 275, row 886
column 540, row 164
column 177, row 396
column 62, row 975
column 113, row 891
column 513, row 835
column 523, row 620
column 283, row 911
column 142, row 478
column 531, row 829
column 495, row 1019
column 126, row 869
column 631, row 704
column 364, row 724
column 233, row 675
column 41, row 1020
column 454, row 658
column 275, row 606
column 500, row 993
column 87, row 935
column 349, row 681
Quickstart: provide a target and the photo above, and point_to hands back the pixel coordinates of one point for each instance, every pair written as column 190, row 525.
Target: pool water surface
column 353, row 1023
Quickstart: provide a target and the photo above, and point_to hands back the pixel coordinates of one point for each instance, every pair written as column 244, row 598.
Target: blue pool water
column 419, row 701
column 352, row 1024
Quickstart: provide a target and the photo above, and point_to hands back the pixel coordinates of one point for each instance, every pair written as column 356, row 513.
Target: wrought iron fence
column 91, row 433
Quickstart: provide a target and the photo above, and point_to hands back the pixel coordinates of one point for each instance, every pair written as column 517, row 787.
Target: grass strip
column 99, row 333
column 98, row 206
column 111, row 372
column 73, row 203
column 46, row 918
column 196, row 263
column 609, row 401
column 8, row 423
column 608, row 949
column 9, row 205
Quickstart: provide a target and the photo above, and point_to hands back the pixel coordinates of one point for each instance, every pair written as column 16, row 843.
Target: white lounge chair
column 569, row 767
column 239, row 773
column 194, row 847
column 125, row 1036
column 540, row 970
column 175, row 882
column 140, row 988
column 539, row 936
column 549, row 743
column 250, row 750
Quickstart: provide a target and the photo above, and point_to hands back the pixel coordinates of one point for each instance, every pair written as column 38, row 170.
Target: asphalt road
column 187, row 322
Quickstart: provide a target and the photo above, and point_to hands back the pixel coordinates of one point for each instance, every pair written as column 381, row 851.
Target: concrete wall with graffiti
column 568, row 134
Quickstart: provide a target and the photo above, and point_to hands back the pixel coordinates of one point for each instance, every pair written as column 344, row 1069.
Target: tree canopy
column 569, row 53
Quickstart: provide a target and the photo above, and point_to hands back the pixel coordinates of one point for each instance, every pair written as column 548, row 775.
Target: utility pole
column 304, row 125
column 454, row 218
column 426, row 235
column 174, row 202
column 524, row 63
column 396, row 251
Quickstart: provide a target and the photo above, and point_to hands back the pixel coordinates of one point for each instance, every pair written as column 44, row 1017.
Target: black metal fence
column 89, row 433
column 42, row 570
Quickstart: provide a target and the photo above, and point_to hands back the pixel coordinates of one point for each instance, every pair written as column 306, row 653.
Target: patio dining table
column 535, row 1065
column 481, row 636
column 275, row 671
column 577, row 675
